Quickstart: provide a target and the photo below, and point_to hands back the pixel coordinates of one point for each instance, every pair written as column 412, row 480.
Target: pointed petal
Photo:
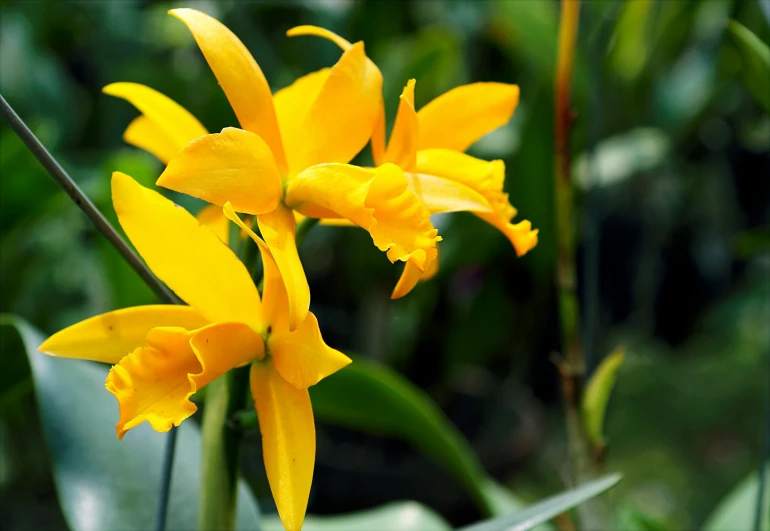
column 144, row 134
column 239, row 75
column 344, row 107
column 275, row 302
column 441, row 195
column 111, row 336
column 234, row 165
column 458, row 118
column 411, row 275
column 167, row 127
column 402, row 148
column 377, row 200
column 302, row 358
column 211, row 216
column 154, row 383
column 487, row 178
column 188, row 257
column 288, row 441
column 278, row 229
column 378, row 137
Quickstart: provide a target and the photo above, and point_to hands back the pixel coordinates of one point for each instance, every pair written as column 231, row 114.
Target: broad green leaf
column 546, row 509
column 104, row 483
column 373, row 398
column 737, row 511
column 755, row 57
column 403, row 515
column 597, row 395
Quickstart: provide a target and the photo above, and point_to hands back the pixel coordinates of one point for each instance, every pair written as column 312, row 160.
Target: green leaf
column 102, row 482
column 505, row 502
column 404, row 516
column 597, row 395
column 755, row 57
column 737, row 511
column 546, row 509
column 373, row 398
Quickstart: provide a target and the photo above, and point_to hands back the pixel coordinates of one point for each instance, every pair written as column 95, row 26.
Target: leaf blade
column 546, row 509
column 101, row 482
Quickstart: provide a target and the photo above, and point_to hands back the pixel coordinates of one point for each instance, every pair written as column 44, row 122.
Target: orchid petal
column 111, row 336
column 164, row 128
column 487, row 179
column 402, row 148
column 239, row 75
column 154, row 383
column 279, row 231
column 234, row 165
column 302, row 358
column 288, row 441
column 458, row 118
column 188, row 257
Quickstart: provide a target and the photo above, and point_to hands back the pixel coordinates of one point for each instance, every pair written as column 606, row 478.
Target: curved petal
column 275, row 302
column 239, row 75
column 288, row 441
column 458, row 118
column 486, row 178
column 154, row 383
column 411, row 275
column 144, row 134
column 234, row 165
column 377, row 200
column 211, row 216
column 279, row 230
column 188, row 257
column 441, row 195
column 167, row 126
column 402, row 148
column 301, row 357
column 111, row 336
column 339, row 121
column 320, row 32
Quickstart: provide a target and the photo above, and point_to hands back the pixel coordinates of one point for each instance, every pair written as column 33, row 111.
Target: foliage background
column 674, row 225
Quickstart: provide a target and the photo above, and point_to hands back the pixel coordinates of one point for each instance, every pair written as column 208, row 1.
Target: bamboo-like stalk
column 571, row 365
column 101, row 224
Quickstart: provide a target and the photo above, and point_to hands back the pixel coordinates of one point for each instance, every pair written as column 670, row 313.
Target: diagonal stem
column 53, row 167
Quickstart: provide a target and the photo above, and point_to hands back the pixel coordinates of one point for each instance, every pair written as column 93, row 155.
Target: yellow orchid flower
column 428, row 146
column 163, row 354
column 291, row 154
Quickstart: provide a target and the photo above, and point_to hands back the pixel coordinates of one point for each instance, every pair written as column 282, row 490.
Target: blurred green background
column 672, row 169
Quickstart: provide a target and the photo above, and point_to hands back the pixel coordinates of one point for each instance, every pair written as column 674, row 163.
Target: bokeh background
column 673, row 188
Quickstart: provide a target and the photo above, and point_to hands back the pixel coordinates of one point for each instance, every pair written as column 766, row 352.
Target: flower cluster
column 289, row 159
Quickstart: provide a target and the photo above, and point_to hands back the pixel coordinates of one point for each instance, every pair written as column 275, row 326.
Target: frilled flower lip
column 428, row 145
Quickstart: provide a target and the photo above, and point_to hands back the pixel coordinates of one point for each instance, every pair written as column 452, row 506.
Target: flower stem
column 571, row 364
column 221, row 450
column 55, row 170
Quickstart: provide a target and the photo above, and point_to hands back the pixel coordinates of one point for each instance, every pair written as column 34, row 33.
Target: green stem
column 571, row 364
column 221, row 450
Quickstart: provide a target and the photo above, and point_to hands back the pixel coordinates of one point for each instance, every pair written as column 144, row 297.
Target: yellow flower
column 291, row 154
column 428, row 145
column 163, row 354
